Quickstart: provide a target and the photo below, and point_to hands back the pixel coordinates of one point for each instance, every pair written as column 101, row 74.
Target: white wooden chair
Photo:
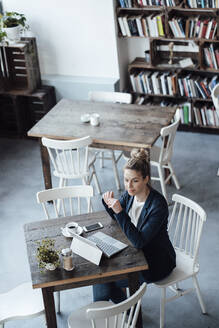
column 160, row 157
column 106, row 314
column 72, row 159
column 65, row 196
column 114, row 97
column 21, row 302
column 215, row 98
column 185, row 228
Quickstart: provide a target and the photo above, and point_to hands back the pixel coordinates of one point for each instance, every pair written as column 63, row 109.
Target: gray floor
column 195, row 160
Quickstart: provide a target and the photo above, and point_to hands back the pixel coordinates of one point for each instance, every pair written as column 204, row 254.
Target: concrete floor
column 196, row 162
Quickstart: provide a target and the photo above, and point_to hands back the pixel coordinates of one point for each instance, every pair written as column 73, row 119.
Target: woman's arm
column 157, row 216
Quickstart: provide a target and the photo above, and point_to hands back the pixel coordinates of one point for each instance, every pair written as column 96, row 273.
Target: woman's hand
column 112, row 202
column 107, row 195
column 115, row 205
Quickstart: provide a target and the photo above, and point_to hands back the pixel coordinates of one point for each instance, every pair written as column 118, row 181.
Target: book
column 139, row 25
column 122, row 27
column 160, row 26
column 126, row 26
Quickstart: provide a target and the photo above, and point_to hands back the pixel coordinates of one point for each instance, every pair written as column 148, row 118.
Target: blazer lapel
column 129, row 204
column 143, row 214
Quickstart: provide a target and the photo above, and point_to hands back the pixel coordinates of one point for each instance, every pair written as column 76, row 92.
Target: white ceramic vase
column 13, row 34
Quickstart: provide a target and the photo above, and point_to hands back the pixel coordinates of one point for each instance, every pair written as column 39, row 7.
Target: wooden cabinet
column 182, row 63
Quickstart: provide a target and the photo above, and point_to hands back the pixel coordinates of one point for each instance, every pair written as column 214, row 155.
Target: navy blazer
column 150, row 235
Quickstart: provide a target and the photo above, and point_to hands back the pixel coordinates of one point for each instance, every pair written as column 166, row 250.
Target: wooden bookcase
column 189, row 84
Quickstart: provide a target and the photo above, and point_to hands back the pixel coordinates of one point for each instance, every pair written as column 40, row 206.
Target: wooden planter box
column 20, row 66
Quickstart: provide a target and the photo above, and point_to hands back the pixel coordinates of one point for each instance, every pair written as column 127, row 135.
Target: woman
column 142, row 213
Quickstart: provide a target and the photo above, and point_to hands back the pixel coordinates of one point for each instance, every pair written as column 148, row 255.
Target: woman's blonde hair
column 139, row 162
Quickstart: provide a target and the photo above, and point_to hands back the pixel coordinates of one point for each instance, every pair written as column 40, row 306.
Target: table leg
column 49, row 304
column 133, row 281
column 45, row 166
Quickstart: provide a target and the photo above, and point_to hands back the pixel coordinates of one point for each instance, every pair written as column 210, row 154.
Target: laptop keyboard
column 108, row 249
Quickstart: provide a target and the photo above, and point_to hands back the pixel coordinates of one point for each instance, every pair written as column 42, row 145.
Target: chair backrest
column 114, row 97
column 121, row 316
column 69, row 198
column 168, row 135
column 185, row 226
column 215, row 97
column 69, row 157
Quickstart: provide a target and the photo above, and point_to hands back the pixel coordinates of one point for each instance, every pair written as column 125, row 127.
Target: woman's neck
column 143, row 195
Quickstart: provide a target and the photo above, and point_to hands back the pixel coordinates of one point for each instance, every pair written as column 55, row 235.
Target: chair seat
column 20, row 302
column 183, row 270
column 79, row 319
column 68, row 173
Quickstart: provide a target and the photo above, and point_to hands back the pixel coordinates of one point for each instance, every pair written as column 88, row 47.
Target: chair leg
column 101, row 159
column 96, row 181
column 162, row 306
column 174, row 176
column 115, row 169
column 162, row 183
column 198, row 292
column 58, row 302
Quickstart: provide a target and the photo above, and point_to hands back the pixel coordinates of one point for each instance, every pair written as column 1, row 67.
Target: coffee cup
column 95, row 119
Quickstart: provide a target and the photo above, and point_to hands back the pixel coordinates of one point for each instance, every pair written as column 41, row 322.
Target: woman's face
column 134, row 183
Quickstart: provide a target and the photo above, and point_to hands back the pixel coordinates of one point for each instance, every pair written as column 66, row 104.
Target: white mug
column 95, row 119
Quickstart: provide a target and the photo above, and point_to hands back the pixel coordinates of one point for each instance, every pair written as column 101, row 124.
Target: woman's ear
column 146, row 179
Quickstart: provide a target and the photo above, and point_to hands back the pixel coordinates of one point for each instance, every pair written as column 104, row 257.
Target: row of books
column 194, row 86
column 211, row 57
column 144, row 26
column 203, row 3
column 194, row 27
column 168, row 83
column 202, row 116
column 169, row 3
column 150, row 82
column 200, row 27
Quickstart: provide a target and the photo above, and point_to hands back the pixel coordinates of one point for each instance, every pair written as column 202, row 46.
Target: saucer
column 67, row 234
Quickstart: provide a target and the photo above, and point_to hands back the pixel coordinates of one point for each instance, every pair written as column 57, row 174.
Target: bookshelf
column 182, row 74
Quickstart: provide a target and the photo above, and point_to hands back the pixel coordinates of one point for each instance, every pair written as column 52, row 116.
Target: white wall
column 75, row 38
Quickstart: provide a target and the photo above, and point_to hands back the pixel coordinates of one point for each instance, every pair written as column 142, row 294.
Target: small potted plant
column 12, row 24
column 47, row 256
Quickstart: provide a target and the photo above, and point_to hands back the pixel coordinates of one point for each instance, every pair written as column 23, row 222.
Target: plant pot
column 13, row 34
column 50, row 266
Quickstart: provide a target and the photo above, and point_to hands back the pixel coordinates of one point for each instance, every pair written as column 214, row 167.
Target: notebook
column 94, row 246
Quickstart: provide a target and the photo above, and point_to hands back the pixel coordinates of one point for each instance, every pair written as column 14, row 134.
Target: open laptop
column 91, row 248
column 107, row 244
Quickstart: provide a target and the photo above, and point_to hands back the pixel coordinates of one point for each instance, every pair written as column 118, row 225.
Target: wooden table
column 122, row 126
column 125, row 264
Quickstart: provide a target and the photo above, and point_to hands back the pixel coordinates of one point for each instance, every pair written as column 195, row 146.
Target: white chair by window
column 185, row 228
column 21, row 302
column 160, row 157
column 72, row 159
column 69, row 207
column 113, row 97
column 215, row 98
column 106, row 314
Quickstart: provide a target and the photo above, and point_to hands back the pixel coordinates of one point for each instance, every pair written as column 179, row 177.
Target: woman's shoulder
column 157, row 198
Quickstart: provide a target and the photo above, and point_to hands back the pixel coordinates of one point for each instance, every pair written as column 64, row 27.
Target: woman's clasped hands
column 112, row 202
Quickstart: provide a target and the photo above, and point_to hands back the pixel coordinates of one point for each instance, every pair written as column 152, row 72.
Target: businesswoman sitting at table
column 142, row 213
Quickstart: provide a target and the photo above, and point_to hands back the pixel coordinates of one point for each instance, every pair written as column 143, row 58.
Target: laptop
column 94, row 246
column 107, row 244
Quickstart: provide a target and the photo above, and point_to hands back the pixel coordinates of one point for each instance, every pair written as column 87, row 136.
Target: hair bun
column 140, row 154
